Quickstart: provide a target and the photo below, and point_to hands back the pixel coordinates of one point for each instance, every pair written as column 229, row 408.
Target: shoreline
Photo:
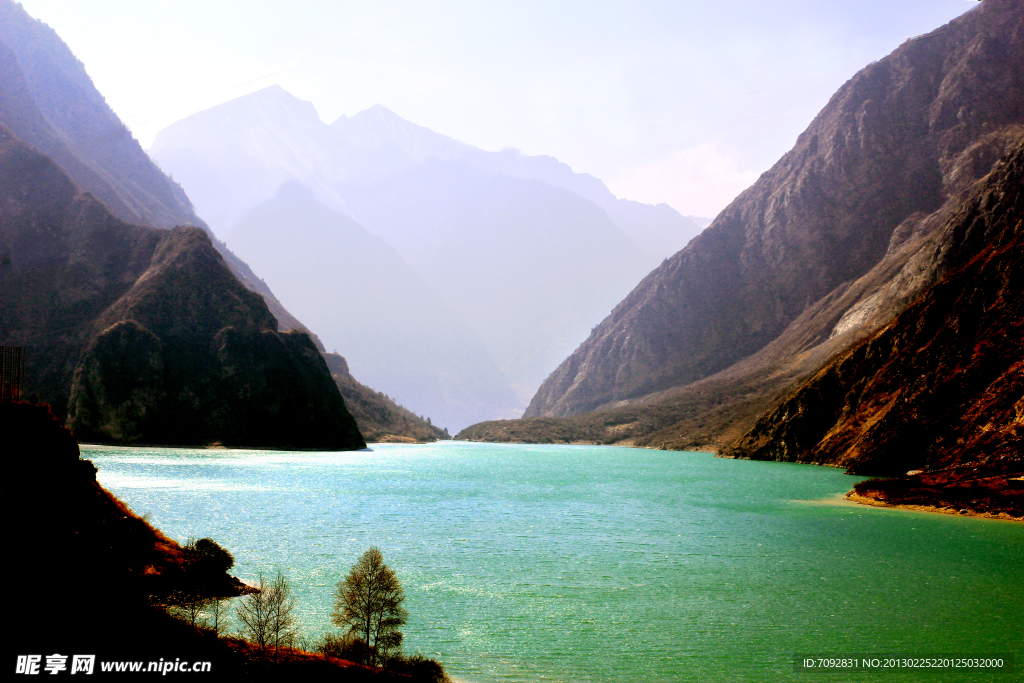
column 857, row 498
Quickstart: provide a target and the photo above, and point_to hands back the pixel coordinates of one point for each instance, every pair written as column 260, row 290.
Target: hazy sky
column 681, row 102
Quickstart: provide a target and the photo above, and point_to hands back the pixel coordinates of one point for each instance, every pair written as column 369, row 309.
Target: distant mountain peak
column 378, row 126
column 273, row 106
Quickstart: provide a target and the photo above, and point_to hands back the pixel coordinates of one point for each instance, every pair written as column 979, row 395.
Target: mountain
column 941, row 386
column 360, row 296
column 143, row 335
column 48, row 100
column 41, row 84
column 531, row 267
column 529, row 253
column 846, row 382
column 826, row 246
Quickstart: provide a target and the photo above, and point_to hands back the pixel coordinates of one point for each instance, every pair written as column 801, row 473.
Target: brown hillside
column 941, row 387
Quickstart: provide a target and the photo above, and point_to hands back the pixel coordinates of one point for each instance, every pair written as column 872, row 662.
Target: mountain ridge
column 876, row 169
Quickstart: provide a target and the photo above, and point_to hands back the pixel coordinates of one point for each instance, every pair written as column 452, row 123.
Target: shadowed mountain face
column 528, row 253
column 144, row 335
column 859, row 196
column 360, row 296
column 48, row 100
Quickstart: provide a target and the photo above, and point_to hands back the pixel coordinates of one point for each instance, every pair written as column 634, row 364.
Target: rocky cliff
column 831, row 234
column 940, row 389
column 143, row 335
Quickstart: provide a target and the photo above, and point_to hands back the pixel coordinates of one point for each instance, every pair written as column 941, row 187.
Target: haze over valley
column 510, row 259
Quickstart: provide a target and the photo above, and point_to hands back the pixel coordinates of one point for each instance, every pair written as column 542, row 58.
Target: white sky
column 681, row 102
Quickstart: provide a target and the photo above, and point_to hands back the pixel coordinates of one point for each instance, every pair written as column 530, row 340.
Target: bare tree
column 218, row 610
column 281, row 602
column 266, row 615
column 254, row 615
column 368, row 603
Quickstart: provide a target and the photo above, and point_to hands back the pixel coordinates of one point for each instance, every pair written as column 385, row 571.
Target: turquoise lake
column 579, row 563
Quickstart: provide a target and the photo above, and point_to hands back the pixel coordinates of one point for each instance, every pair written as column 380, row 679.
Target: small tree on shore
column 281, row 603
column 368, row 604
column 193, row 598
column 218, row 610
column 253, row 613
column 266, row 615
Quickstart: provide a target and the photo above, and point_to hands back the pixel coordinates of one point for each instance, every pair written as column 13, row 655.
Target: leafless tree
column 266, row 615
column 281, row 602
column 368, row 604
column 218, row 610
column 254, row 614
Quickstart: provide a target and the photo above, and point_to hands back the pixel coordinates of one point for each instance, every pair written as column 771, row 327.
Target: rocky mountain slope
column 529, row 253
column 934, row 399
column 825, row 246
column 48, row 100
column 143, row 335
column 941, row 387
column 969, row 63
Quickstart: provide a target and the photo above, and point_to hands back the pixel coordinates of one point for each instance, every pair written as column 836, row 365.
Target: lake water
column 577, row 563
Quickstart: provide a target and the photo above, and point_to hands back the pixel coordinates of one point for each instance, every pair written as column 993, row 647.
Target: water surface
column 576, row 563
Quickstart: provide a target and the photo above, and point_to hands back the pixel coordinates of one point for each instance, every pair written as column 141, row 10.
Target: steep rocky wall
column 942, row 385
